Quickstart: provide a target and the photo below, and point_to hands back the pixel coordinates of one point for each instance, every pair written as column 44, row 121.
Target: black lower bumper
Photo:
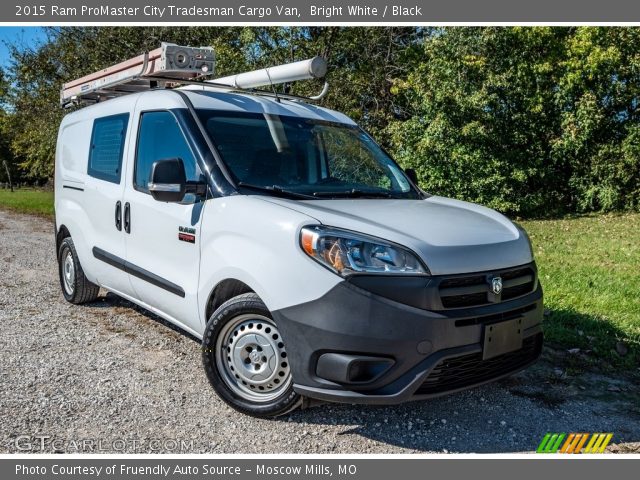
column 413, row 353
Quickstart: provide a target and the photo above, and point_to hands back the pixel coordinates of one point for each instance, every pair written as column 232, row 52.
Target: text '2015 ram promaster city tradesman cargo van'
column 283, row 236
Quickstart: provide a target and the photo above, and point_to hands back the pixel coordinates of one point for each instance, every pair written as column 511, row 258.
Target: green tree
column 599, row 97
column 532, row 121
column 483, row 115
column 7, row 173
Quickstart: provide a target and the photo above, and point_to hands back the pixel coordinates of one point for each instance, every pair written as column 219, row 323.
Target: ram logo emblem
column 496, row 285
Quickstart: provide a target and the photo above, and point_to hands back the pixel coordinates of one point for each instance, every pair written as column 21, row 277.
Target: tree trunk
column 6, row 167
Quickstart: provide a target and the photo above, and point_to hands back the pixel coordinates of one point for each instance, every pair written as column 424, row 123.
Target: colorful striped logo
column 574, row 443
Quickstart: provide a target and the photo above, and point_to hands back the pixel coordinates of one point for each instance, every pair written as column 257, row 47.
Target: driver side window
column 160, row 138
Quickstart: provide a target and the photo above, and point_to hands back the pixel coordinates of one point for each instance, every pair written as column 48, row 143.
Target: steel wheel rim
column 68, row 273
column 252, row 359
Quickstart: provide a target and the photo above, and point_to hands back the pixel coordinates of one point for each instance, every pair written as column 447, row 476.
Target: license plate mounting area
column 502, row 337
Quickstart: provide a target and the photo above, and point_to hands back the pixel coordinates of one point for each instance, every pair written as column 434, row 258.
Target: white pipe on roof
column 315, row 67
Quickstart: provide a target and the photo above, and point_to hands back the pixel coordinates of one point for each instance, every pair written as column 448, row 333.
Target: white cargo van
column 283, row 236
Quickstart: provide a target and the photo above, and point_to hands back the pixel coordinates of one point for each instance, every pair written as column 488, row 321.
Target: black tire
column 76, row 289
column 247, row 304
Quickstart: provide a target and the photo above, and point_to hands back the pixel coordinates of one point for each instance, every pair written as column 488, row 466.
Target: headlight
column 347, row 252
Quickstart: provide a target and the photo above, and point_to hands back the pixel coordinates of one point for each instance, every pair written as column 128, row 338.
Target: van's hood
column 451, row 236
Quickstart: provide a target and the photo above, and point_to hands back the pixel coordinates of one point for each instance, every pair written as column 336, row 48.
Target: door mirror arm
column 198, row 188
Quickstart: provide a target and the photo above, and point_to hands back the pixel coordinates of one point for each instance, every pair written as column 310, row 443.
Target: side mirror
column 168, row 181
column 413, row 176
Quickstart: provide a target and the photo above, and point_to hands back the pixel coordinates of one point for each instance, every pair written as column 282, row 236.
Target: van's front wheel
column 245, row 358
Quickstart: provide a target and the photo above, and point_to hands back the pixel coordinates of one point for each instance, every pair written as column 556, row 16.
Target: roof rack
column 172, row 65
column 169, row 63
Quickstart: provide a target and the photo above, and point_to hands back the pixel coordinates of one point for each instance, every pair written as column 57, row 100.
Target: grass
column 590, row 270
column 589, row 267
column 28, row 200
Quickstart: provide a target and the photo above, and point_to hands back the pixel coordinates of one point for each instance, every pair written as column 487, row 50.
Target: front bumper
column 426, row 353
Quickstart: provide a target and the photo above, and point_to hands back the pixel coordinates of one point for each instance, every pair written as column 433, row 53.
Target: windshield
column 311, row 158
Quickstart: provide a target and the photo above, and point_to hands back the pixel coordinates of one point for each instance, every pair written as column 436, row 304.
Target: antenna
column 273, row 87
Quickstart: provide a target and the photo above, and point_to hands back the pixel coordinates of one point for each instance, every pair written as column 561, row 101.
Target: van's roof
column 215, row 99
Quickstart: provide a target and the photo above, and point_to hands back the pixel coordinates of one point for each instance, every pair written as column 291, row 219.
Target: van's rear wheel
column 246, row 360
column 75, row 286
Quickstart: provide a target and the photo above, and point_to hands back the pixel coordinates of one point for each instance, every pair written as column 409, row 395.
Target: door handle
column 118, row 215
column 127, row 217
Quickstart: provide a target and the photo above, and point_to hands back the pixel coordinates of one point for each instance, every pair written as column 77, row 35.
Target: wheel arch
column 61, row 234
column 223, row 291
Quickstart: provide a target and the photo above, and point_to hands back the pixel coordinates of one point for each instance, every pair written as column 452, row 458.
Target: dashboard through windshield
column 304, row 157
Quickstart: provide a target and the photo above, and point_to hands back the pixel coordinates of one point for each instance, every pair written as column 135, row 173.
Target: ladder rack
column 162, row 67
column 172, row 65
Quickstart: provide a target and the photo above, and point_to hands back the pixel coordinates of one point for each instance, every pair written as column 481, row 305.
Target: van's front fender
column 257, row 242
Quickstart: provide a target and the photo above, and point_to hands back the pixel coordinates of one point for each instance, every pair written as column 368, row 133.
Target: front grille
column 462, row 281
column 516, row 276
column 465, row 300
column 459, row 372
column 517, row 291
column 474, row 290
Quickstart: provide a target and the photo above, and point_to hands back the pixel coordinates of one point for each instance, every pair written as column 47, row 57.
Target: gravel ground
column 111, row 377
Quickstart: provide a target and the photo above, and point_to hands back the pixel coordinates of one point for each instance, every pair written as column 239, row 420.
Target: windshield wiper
column 276, row 190
column 353, row 193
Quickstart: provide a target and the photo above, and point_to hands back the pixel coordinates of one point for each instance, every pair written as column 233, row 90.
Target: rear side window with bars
column 107, row 147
